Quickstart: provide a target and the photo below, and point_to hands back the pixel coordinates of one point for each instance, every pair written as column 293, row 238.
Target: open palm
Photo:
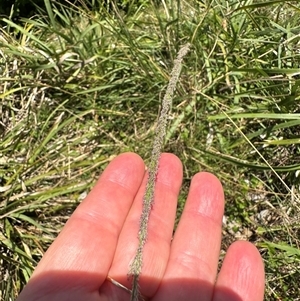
column 100, row 240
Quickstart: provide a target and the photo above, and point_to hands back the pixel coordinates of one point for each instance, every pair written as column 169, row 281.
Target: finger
column 160, row 228
column 88, row 241
column 242, row 275
column 196, row 245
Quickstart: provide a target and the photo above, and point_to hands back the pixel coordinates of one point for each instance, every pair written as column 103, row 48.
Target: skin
column 100, row 239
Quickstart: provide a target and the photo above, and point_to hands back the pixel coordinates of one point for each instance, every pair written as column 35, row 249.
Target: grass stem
column 136, row 266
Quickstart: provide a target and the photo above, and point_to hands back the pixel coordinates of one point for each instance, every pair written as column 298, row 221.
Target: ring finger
column 193, row 261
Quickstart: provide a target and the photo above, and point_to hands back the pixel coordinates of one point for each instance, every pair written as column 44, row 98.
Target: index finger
column 87, row 242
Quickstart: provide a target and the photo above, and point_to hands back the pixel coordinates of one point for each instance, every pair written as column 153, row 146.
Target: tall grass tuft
column 79, row 86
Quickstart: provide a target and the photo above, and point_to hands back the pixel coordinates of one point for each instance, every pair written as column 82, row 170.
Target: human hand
column 100, row 239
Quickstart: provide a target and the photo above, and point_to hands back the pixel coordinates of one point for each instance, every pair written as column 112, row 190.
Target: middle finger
column 160, row 228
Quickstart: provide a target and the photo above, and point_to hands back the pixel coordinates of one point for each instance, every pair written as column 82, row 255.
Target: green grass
column 78, row 87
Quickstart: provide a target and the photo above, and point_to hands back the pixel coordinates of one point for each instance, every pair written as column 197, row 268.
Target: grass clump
column 78, row 86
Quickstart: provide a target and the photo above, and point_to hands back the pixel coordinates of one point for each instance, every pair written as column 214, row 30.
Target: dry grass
column 78, row 87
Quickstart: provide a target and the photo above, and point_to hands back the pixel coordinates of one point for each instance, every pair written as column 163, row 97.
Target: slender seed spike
column 136, row 265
